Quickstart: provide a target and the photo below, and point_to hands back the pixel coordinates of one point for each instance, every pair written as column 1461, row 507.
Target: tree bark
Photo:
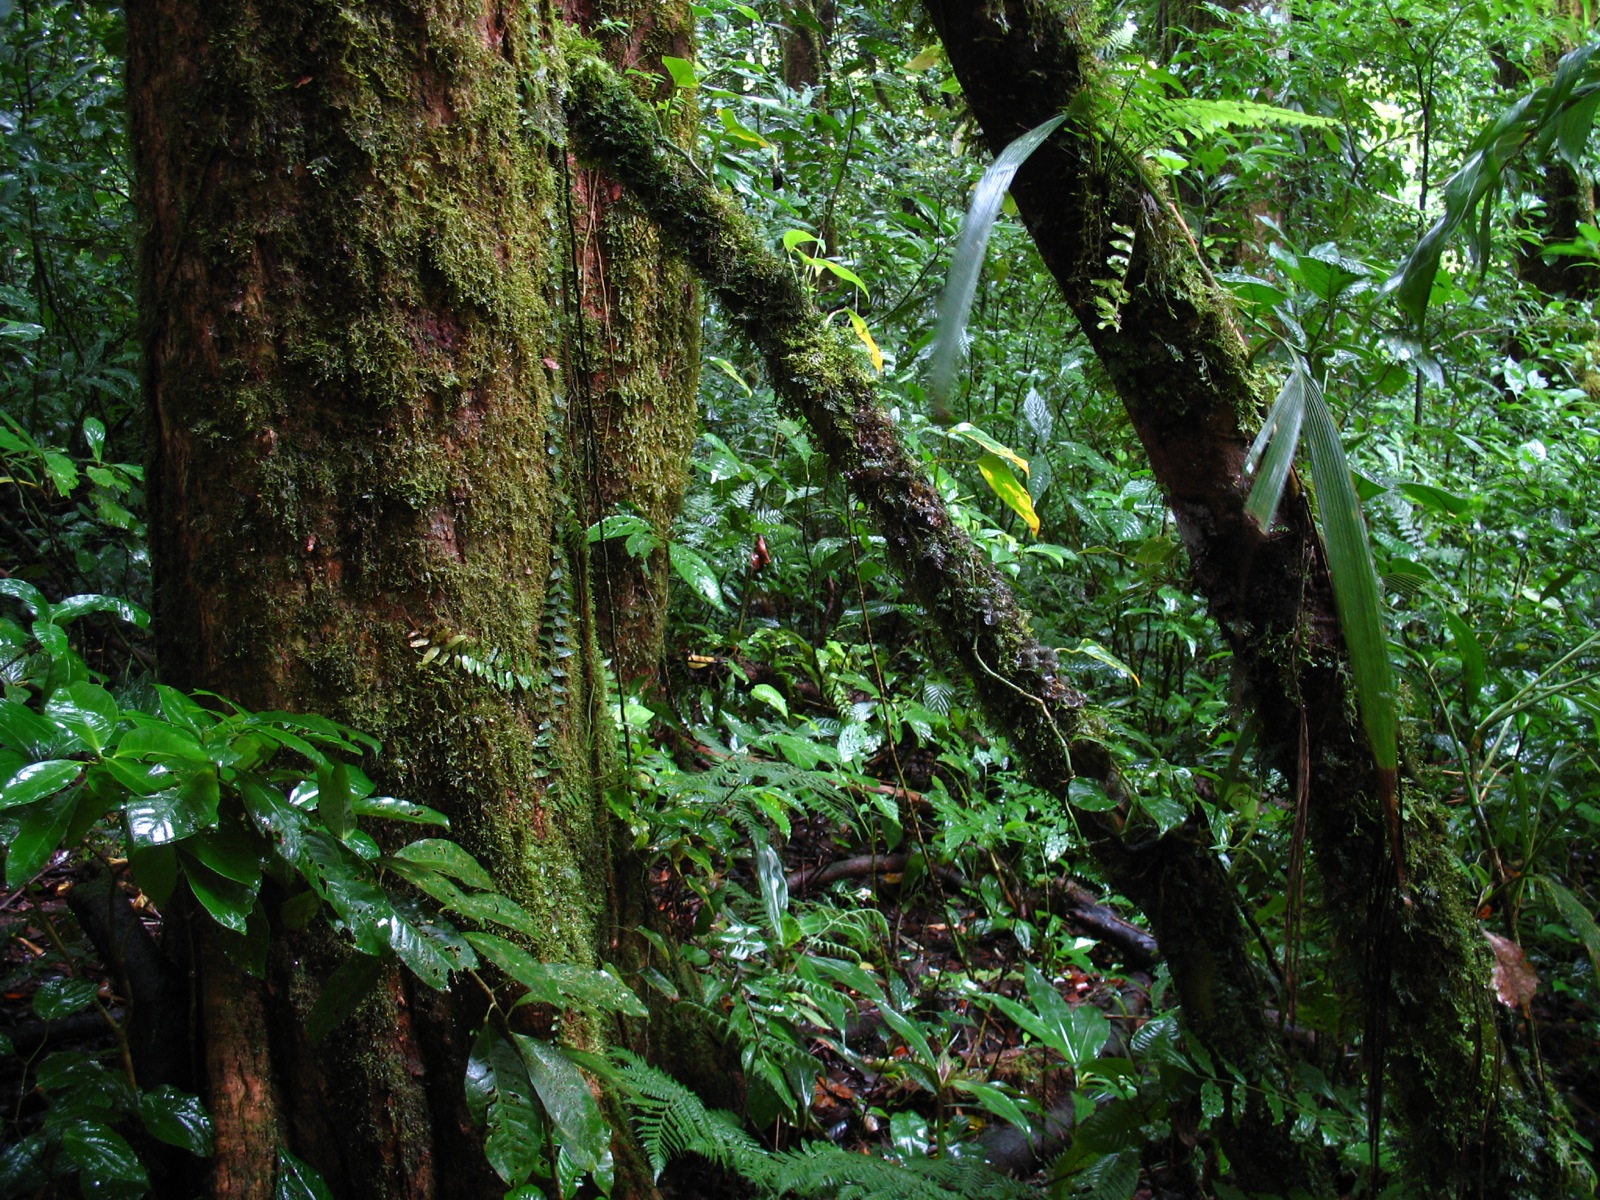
column 634, row 359
column 1184, row 375
column 353, row 359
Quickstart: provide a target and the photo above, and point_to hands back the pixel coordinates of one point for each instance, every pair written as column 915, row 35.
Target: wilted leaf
column 1514, row 978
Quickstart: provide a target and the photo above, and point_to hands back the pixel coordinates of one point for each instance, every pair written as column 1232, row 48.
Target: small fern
column 671, row 1121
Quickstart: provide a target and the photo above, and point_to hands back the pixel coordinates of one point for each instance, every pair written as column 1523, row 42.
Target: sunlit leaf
column 955, row 303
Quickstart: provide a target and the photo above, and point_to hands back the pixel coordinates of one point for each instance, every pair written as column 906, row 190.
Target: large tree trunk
column 354, row 367
column 1182, row 370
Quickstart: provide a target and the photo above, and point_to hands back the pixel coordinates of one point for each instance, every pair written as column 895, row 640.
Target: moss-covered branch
column 1175, row 879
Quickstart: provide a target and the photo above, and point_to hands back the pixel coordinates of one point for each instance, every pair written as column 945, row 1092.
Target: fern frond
column 1154, row 119
column 671, row 1121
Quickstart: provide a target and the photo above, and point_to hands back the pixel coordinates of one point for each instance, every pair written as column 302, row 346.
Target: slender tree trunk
column 1182, row 370
column 354, row 367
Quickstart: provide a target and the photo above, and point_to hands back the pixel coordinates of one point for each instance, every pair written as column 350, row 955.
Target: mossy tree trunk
column 1182, row 370
column 354, row 362
column 635, row 359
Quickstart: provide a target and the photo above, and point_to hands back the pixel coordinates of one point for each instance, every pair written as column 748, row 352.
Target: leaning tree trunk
column 354, row 366
column 1177, row 360
column 1174, row 878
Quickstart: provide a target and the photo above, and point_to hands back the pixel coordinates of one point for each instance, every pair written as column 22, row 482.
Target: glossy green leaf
column 495, row 909
column 390, row 808
column 1271, row 456
column 334, row 799
column 298, row 1180
column 57, row 998
column 561, row 985
column 38, row 780
column 229, row 903
column 697, row 573
column 43, row 826
column 26, row 730
column 174, row 813
column 681, row 70
column 178, row 1119
column 107, row 1164
column 85, row 710
column 159, row 740
column 516, row 1141
column 448, row 859
column 74, row 607
column 568, row 1102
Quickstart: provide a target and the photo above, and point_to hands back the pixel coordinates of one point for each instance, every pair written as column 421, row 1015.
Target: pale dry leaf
column 1514, row 979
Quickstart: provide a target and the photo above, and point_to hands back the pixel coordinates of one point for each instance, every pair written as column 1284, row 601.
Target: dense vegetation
column 895, row 941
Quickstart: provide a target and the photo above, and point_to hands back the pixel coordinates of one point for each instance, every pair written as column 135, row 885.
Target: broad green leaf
column 174, row 813
column 57, row 998
column 495, row 909
column 229, row 903
column 26, row 730
column 155, row 870
column 681, row 70
column 561, row 985
column 334, row 798
column 996, row 1100
column 178, row 1119
column 770, row 696
column 515, row 1145
column 568, row 1102
column 230, row 851
column 447, row 858
column 1094, row 650
column 298, row 1180
column 150, row 739
column 697, row 573
column 107, row 1164
column 739, row 130
column 43, row 826
column 910, row 1032
column 390, row 808
column 74, row 607
column 38, row 780
column 1005, row 485
column 24, row 1166
column 1435, row 498
column 955, row 303
column 87, row 710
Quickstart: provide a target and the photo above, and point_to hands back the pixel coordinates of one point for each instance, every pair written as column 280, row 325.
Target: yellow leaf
column 973, row 434
column 865, row 335
column 999, row 477
column 925, row 60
